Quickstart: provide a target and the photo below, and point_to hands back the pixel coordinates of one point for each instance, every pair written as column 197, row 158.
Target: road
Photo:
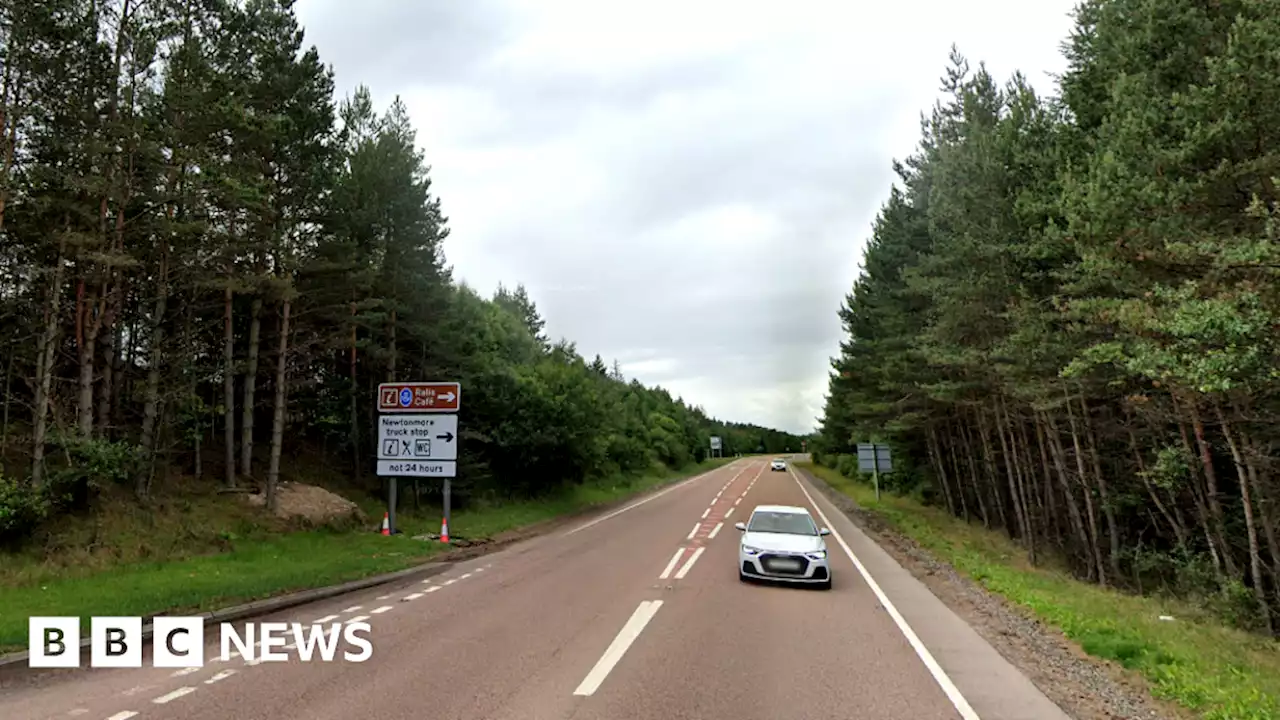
column 632, row 615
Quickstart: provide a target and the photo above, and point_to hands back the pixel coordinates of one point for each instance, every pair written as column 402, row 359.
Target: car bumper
column 761, row 567
column 775, row 468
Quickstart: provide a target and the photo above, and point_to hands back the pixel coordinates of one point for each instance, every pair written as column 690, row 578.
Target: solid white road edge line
column 167, row 697
column 627, row 635
column 944, row 681
column 688, row 565
column 671, row 565
column 715, row 530
column 638, row 503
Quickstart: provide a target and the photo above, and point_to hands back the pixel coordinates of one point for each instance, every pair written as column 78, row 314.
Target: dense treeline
column 206, row 259
column 1068, row 316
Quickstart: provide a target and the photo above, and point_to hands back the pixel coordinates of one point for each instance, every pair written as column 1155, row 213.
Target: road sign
column 874, row 458
column 715, row 442
column 420, row 397
column 418, row 437
column 418, row 468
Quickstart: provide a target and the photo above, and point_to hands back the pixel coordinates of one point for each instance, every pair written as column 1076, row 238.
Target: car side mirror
column 824, row 531
column 741, row 526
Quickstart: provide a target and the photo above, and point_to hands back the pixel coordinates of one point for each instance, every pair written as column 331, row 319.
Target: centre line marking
column 450, row 581
column 705, row 513
column 123, row 715
column 326, row 618
column 413, row 596
column 353, row 608
column 627, row 635
column 689, row 563
column 358, row 618
column 735, row 502
column 638, row 503
column 167, row 697
column 716, row 529
column 727, row 514
column 694, row 531
column 220, row 676
column 379, row 611
column 671, row 565
column 432, row 589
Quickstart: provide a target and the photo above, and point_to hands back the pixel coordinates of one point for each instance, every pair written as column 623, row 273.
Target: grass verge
column 1217, row 673
column 261, row 567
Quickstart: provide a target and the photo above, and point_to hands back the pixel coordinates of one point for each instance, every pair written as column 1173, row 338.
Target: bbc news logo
column 179, row 642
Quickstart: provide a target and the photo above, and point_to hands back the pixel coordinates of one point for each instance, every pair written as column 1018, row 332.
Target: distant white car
column 778, row 464
column 782, row 542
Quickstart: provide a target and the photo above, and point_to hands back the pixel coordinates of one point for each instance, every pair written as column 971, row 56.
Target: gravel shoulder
column 1086, row 688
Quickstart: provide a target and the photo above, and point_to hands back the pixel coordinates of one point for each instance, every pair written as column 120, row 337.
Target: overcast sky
column 685, row 186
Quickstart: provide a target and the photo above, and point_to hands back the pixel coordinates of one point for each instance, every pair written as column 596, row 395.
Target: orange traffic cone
column 386, row 523
column 444, row 530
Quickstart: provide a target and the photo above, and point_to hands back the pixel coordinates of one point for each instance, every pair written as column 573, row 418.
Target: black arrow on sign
column 447, row 437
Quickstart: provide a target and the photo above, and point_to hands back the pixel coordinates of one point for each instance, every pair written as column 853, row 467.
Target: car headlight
column 750, row 550
column 817, row 555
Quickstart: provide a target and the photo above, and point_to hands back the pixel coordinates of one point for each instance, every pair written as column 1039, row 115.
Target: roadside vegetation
column 1067, row 326
column 207, row 265
column 1194, row 660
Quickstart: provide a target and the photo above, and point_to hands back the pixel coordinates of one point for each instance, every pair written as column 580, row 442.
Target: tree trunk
column 1108, row 509
column 44, row 367
column 958, row 473
column 973, row 474
column 155, row 359
column 1094, row 535
column 1051, row 506
column 1211, row 488
column 1178, row 529
column 1083, row 530
column 88, row 323
column 277, row 422
column 1251, row 529
column 250, row 386
column 1012, row 472
column 935, row 457
column 992, row 476
column 229, row 389
column 357, row 458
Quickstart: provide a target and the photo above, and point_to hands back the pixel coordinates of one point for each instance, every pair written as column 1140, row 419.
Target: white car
column 782, row 542
column 778, row 464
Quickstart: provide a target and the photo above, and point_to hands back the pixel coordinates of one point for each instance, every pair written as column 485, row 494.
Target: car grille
column 770, row 563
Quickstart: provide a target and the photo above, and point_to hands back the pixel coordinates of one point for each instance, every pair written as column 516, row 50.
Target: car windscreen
column 781, row 522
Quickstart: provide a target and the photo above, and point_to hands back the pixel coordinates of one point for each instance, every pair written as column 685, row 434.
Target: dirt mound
column 315, row 504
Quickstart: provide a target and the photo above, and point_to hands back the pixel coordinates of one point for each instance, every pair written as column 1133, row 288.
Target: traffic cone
column 444, row 530
column 386, row 523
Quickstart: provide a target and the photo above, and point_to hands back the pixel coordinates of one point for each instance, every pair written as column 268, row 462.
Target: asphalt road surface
column 635, row 614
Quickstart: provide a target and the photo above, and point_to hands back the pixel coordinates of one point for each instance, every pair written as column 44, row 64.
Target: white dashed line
column 77, row 711
column 184, row 671
column 464, row 576
column 688, row 565
column 705, row 513
column 715, row 530
column 414, row 596
column 383, row 597
column 449, row 582
column 353, row 608
column 671, row 565
column 432, row 589
column 478, row 570
column 735, row 502
column 358, row 618
column 220, row 676
column 123, row 715
column 730, row 512
column 325, row 619
column 627, row 635
column 694, row 531
column 379, row 611
column 169, row 697
column 638, row 503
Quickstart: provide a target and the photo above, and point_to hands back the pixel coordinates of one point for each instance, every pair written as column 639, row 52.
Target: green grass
column 262, row 564
column 1215, row 672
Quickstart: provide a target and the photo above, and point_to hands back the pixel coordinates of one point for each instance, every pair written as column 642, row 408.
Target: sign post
column 875, row 459
column 418, row 437
column 716, row 449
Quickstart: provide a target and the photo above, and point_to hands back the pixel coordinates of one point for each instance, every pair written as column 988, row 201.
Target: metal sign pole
column 875, row 455
column 391, row 505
